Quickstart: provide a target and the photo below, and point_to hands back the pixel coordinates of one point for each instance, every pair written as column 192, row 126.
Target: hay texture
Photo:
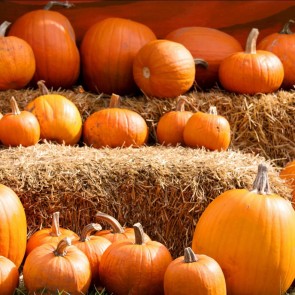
column 263, row 123
column 165, row 189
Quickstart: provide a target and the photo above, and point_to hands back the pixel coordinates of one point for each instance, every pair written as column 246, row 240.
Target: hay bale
column 263, row 123
column 164, row 188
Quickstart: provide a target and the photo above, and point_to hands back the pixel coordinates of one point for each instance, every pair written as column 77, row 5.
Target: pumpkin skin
column 13, row 226
column 52, row 39
column 57, row 268
column 288, row 174
column 208, row 130
column 282, row 44
column 251, row 234
column 209, row 44
column 115, row 127
column 194, row 274
column 59, row 118
column 163, row 69
column 19, row 127
column 251, row 71
column 107, row 52
column 171, row 125
column 138, row 267
column 17, row 61
column 9, row 276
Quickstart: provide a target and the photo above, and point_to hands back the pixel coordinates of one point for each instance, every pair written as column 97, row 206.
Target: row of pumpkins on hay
column 243, row 243
column 122, row 56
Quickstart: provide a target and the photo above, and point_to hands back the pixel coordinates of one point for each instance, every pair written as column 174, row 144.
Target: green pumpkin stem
column 139, row 234
column 286, row 28
column 42, row 88
column 114, row 101
column 3, row 28
column 61, row 247
column 113, row 222
column 251, row 41
column 189, row 255
column 88, row 230
column 14, row 107
column 212, row 110
column 55, row 232
column 50, row 4
column 201, row 62
column 261, row 182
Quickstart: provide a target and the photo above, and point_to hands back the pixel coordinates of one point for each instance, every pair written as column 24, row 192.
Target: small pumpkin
column 17, row 61
column 19, row 127
column 59, row 118
column 164, row 69
column 9, row 276
column 194, row 274
column 282, row 45
column 288, row 174
column 208, row 130
column 115, row 127
column 171, row 125
column 129, row 267
column 251, row 71
column 57, row 267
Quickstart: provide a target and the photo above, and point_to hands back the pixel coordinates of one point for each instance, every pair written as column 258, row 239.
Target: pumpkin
column 59, row 118
column 52, row 234
column 129, row 267
column 251, row 234
column 194, row 274
column 117, row 232
column 107, row 51
column 17, row 61
column 171, row 125
column 208, row 130
column 282, row 44
column 9, row 276
column 93, row 246
column 19, row 127
column 56, row 268
column 13, row 226
column 52, row 39
column 287, row 173
column 115, row 127
column 163, row 69
column 251, row 71
column 209, row 44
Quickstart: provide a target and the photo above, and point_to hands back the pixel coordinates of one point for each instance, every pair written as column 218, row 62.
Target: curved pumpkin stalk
column 251, row 41
column 88, row 230
column 3, row 28
column 261, row 182
column 50, row 4
column 201, row 62
column 286, row 29
column 113, row 222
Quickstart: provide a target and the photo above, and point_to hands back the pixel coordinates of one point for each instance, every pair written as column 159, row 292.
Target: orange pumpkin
column 59, row 118
column 129, row 267
column 9, row 276
column 194, row 274
column 19, row 127
column 251, row 71
column 52, row 39
column 288, row 174
column 115, row 127
column 53, row 268
column 251, row 234
column 107, row 51
column 208, row 130
column 17, row 61
column 164, row 69
column 209, row 44
column 282, row 45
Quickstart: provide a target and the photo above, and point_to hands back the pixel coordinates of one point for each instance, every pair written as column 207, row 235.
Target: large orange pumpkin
column 209, row 44
column 17, row 61
column 107, row 51
column 251, row 234
column 52, row 39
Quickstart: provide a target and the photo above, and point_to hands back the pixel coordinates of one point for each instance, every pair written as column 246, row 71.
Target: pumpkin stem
column 50, row 4
column 61, row 247
column 261, row 182
column 201, row 62
column 55, row 232
column 88, row 230
column 42, row 88
column 113, row 222
column 212, row 110
column 180, row 104
column 3, row 28
column 14, row 106
column 115, row 101
column 286, row 28
column 251, row 41
column 189, row 255
column 139, row 234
